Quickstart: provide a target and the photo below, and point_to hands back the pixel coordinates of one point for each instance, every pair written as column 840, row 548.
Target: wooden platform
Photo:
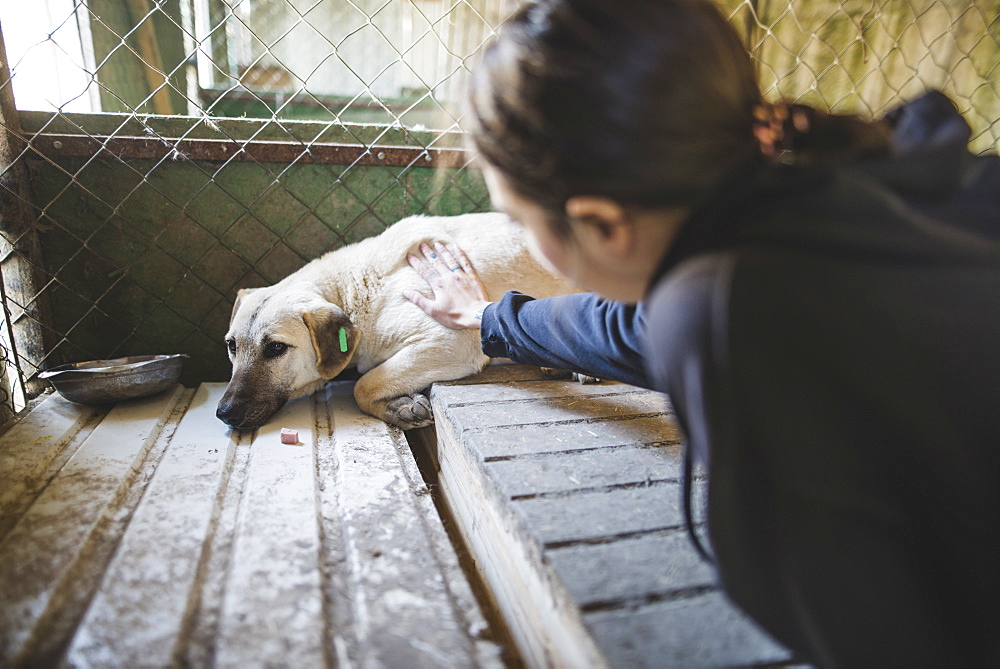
column 569, row 497
column 150, row 535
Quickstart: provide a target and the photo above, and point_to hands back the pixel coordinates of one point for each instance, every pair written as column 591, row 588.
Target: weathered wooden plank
column 204, row 618
column 704, row 631
column 410, row 605
column 559, row 472
column 553, row 410
column 591, row 515
column 139, row 612
column 547, row 627
column 621, row 572
column 532, row 389
column 54, row 541
column 33, row 448
column 274, row 582
column 514, row 440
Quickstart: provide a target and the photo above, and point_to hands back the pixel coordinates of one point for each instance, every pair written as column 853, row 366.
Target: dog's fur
column 396, row 347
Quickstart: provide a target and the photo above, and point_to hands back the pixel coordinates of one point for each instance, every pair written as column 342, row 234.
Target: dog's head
column 283, row 344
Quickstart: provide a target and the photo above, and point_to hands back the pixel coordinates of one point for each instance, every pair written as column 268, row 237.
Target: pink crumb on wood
column 289, row 436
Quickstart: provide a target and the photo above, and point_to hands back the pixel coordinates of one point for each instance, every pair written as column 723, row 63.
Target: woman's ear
column 606, row 224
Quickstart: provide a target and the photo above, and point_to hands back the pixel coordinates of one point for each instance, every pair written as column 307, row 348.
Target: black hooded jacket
column 830, row 340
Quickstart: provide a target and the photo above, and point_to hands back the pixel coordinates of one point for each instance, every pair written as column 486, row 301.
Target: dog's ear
column 240, row 294
column 334, row 338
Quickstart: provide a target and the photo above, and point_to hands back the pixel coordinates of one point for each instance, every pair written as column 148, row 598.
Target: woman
column 820, row 298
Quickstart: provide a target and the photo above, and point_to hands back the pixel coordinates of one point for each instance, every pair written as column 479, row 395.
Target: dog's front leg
column 391, row 391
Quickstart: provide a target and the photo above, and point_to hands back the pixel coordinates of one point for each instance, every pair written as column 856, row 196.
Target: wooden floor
column 148, row 534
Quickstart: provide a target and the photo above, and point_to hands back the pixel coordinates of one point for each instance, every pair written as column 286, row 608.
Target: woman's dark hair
column 649, row 102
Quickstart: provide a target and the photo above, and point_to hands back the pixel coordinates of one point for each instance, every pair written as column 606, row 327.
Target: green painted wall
column 146, row 256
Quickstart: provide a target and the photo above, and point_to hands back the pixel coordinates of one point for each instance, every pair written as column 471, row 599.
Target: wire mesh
column 160, row 154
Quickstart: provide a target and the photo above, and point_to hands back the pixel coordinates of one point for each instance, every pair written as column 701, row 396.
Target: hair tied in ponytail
column 793, row 134
column 777, row 127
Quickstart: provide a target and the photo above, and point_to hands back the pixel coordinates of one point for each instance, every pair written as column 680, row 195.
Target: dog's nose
column 230, row 414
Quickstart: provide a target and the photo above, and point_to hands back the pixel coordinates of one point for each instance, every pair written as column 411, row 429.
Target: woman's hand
column 459, row 295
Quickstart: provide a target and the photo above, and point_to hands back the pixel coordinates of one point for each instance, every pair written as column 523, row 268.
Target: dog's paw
column 409, row 412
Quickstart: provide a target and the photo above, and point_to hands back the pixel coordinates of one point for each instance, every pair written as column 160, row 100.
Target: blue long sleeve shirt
column 578, row 333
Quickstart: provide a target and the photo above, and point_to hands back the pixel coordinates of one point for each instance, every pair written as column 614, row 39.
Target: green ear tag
column 343, row 340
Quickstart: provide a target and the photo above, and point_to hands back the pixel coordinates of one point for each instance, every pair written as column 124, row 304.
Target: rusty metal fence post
column 20, row 251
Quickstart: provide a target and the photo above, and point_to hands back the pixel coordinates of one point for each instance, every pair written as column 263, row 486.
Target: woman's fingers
column 434, row 258
column 446, row 257
column 439, row 260
column 461, row 270
column 469, row 272
column 451, row 258
column 425, row 271
column 463, row 260
column 418, row 299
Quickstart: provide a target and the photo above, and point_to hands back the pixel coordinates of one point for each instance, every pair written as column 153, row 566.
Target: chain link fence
column 157, row 155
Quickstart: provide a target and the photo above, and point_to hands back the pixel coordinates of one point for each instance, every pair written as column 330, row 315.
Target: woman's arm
column 579, row 333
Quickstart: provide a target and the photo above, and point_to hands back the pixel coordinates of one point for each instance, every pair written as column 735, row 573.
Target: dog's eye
column 231, row 343
column 274, row 349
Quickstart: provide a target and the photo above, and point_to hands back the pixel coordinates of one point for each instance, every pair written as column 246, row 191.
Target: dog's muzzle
column 231, row 413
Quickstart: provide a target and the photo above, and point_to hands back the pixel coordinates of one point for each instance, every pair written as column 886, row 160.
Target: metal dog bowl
column 103, row 381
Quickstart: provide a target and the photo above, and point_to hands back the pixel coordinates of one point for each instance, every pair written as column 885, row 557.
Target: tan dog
column 347, row 309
